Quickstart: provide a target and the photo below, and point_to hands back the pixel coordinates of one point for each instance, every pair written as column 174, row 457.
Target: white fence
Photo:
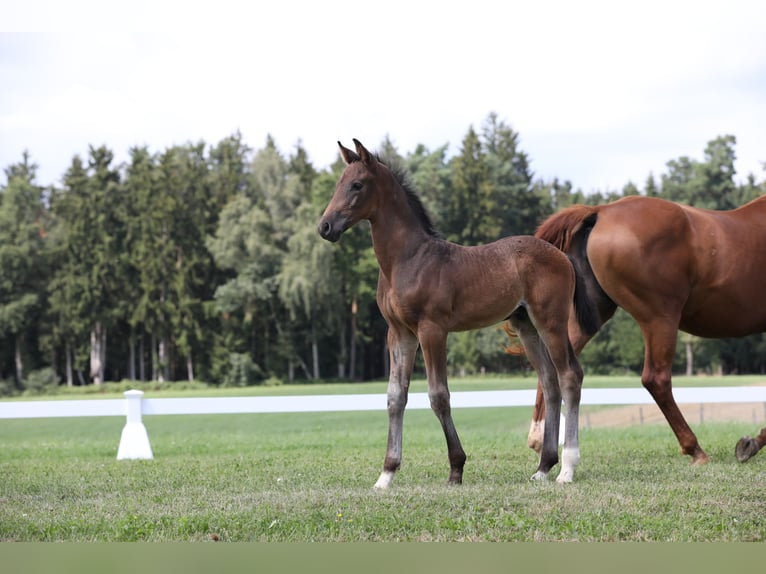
column 134, row 442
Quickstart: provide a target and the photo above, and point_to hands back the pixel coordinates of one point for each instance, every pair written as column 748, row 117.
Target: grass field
column 478, row 383
column 308, row 477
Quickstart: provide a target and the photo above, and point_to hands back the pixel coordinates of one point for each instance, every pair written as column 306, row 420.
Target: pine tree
column 467, row 211
column 139, row 187
column 22, row 235
column 515, row 205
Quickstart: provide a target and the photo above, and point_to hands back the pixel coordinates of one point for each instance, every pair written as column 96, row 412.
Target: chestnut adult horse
column 670, row 267
column 428, row 287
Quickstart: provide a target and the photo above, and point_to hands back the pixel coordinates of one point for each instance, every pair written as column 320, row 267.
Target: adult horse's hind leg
column 402, row 347
column 433, row 342
column 748, row 447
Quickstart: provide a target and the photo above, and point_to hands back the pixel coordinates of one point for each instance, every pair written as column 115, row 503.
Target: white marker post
column 134, row 442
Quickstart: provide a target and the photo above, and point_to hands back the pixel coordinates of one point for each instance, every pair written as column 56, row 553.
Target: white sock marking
column 385, row 480
column 570, row 458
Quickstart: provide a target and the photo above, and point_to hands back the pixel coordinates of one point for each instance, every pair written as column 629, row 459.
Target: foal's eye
column 356, row 186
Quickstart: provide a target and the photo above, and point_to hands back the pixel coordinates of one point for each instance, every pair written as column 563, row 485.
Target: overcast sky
column 601, row 93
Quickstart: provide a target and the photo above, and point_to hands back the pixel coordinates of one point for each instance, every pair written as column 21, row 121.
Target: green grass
column 308, row 477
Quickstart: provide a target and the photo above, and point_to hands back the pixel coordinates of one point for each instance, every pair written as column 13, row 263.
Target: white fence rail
column 134, row 442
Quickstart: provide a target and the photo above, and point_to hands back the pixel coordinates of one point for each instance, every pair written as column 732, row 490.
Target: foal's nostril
column 325, row 228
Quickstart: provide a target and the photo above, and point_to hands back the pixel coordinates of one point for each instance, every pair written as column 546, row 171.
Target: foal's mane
column 416, row 205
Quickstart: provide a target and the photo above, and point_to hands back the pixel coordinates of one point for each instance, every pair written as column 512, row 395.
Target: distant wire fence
column 134, row 442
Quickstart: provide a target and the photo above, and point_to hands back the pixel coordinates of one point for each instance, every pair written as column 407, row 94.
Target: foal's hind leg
column 548, row 348
column 570, row 381
column 578, row 340
column 540, row 361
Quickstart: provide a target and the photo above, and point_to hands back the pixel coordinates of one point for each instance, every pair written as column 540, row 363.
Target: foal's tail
column 569, row 230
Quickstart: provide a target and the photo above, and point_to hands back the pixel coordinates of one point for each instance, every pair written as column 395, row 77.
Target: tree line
column 202, row 262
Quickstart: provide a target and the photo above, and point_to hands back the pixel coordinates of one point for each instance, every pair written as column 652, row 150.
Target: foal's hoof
column 455, row 481
column 539, row 476
column 384, row 481
column 746, row 448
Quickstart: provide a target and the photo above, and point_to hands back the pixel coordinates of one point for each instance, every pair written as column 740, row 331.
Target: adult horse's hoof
column 699, row 457
column 746, row 448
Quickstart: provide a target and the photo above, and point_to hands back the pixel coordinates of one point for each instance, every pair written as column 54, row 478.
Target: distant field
column 308, row 477
column 485, row 383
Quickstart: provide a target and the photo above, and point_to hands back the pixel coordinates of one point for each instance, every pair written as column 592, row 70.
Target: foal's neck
column 396, row 231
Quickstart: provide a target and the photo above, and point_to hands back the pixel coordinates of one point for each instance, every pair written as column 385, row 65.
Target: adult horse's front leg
column 433, row 342
column 402, row 347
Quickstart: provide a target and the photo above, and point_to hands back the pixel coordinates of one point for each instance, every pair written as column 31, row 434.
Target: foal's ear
column 347, row 155
column 367, row 158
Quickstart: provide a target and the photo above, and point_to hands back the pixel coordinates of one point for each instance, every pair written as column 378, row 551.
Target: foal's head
column 366, row 187
column 355, row 193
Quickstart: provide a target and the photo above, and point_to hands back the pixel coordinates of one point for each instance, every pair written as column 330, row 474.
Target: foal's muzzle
column 330, row 229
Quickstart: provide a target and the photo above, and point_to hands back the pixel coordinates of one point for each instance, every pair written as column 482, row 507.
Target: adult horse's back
column 670, row 267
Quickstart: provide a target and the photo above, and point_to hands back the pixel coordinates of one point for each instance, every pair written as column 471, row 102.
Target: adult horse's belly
column 719, row 313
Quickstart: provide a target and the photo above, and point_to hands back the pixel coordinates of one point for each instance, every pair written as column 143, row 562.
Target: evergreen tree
column 430, row 175
column 69, row 285
column 22, row 233
column 717, row 189
column 228, row 176
column 515, row 204
column 139, row 188
column 650, row 188
column 468, row 210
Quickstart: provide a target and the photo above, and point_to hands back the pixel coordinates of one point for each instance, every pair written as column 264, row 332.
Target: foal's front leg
column 402, row 347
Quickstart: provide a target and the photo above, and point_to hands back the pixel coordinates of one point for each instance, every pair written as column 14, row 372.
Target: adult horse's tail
column 569, row 230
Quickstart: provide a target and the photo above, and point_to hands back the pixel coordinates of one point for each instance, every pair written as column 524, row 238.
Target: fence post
column 134, row 442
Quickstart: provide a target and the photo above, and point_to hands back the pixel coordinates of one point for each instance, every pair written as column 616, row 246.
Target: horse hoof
column 699, row 457
column 565, row 478
column 746, row 448
column 539, row 476
column 385, row 480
